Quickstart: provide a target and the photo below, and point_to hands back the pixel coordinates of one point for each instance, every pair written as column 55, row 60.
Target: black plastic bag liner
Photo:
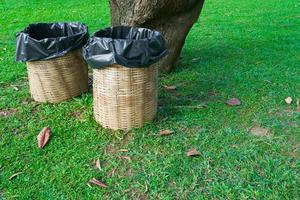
column 43, row 41
column 127, row 46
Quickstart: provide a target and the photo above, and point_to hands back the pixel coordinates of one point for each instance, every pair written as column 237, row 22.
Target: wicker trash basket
column 125, row 77
column 58, row 79
column 125, row 98
column 56, row 68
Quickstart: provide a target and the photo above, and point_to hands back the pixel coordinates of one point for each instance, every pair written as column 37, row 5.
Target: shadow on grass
column 197, row 84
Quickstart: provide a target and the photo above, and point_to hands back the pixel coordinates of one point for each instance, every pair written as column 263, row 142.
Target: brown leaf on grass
column 110, row 149
column 213, row 93
column 15, row 175
column 78, row 114
column 196, row 59
column 259, row 131
column 5, row 113
column 170, row 87
column 200, row 106
column 125, row 158
column 166, row 132
column 98, row 183
column 296, row 147
column 123, row 150
column 146, row 187
column 193, row 152
column 43, row 137
column 98, row 164
column 15, row 88
column 112, row 172
column 234, row 102
column 288, row 100
column 28, row 100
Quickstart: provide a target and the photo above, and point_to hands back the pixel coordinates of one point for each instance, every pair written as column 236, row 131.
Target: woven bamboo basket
column 125, row 98
column 58, row 79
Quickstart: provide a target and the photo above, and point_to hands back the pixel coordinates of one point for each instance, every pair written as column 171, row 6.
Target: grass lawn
column 244, row 49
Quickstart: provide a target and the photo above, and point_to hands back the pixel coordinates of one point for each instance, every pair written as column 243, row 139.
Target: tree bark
column 173, row 18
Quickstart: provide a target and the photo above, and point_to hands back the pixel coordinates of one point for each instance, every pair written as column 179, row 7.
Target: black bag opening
column 126, row 46
column 44, row 41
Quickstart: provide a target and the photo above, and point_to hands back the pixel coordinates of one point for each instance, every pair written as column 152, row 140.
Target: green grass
column 244, row 49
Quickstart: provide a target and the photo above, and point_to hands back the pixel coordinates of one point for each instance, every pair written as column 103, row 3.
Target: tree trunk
column 173, row 18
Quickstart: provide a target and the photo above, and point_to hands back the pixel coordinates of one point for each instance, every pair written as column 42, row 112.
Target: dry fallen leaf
column 112, row 172
column 166, row 132
column 43, row 137
column 195, row 59
column 234, row 102
column 125, row 158
column 123, row 150
column 171, row 87
column 296, row 147
column 15, row 175
column 98, row 164
column 193, row 152
column 98, row 183
column 200, row 106
column 78, row 114
column 259, row 131
column 288, row 100
column 15, row 88
column 213, row 93
column 5, row 113
column 146, row 187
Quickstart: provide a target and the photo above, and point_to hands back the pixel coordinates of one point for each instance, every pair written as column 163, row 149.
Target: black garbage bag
column 123, row 45
column 43, row 41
